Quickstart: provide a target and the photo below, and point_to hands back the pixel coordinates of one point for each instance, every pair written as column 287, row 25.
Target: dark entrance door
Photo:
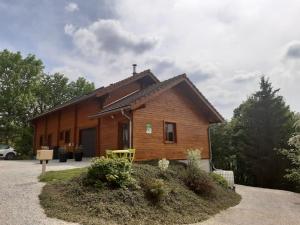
column 87, row 138
column 123, row 135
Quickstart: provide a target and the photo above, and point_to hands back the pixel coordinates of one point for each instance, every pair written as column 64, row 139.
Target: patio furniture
column 124, row 153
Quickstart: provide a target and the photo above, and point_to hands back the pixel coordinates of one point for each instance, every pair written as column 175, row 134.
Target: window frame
column 166, row 141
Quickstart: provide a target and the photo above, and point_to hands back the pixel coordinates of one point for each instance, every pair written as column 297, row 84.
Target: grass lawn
column 61, row 175
column 65, row 197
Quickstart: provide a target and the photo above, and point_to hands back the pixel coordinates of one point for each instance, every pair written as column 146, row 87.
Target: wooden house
column 158, row 119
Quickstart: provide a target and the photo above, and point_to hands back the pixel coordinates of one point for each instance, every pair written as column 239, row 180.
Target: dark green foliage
column 25, row 91
column 72, row 201
column 224, row 153
column 156, row 190
column 114, row 172
column 218, row 179
column 260, row 125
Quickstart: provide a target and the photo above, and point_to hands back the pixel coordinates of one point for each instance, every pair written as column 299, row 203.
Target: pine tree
column 262, row 124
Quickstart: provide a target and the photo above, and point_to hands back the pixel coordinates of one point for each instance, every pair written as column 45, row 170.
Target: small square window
column 170, row 132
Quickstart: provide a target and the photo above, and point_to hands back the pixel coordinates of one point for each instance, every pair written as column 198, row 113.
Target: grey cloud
column 293, row 51
column 244, row 78
column 200, row 75
column 110, row 37
column 166, row 65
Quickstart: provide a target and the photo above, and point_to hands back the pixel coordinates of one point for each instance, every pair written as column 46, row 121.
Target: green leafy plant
column 114, row 172
column 194, row 157
column 195, row 178
column 156, row 190
column 198, row 181
column 218, row 179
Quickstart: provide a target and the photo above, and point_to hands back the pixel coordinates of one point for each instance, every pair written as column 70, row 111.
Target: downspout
column 130, row 127
column 210, row 151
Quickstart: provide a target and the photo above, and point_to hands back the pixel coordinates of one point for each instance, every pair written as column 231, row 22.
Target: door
column 88, row 141
column 123, row 136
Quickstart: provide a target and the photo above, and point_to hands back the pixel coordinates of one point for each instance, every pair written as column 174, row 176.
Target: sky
column 224, row 46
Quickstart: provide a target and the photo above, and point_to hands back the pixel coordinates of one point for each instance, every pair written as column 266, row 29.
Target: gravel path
column 19, row 190
column 260, row 206
column 19, row 203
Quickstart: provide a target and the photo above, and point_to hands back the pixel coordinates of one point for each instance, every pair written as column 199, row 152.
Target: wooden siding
column 117, row 94
column 109, row 132
column 170, row 106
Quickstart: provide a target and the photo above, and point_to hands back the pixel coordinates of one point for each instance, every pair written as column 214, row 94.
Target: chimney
column 134, row 69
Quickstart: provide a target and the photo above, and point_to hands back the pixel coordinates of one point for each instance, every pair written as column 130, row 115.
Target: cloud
column 69, row 29
column 108, row 36
column 293, row 50
column 71, row 7
column 244, row 77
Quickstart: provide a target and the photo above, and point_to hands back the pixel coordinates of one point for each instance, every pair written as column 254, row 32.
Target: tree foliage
column 293, row 155
column 25, row 91
column 248, row 143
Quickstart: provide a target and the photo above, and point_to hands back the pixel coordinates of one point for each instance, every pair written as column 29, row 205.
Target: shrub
column 195, row 178
column 156, row 190
column 218, row 179
column 194, row 157
column 114, row 172
column 198, row 181
column 163, row 164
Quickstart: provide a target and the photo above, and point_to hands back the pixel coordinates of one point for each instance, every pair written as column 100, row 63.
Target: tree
column 224, row 154
column 18, row 77
column 262, row 124
column 293, row 155
column 80, row 87
column 25, row 91
column 249, row 143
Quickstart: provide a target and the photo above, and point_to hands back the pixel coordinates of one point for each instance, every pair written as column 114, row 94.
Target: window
column 3, row 146
column 41, row 140
column 67, row 136
column 170, row 132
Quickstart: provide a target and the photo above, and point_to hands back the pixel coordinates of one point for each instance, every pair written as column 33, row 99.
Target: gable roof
column 101, row 91
column 138, row 98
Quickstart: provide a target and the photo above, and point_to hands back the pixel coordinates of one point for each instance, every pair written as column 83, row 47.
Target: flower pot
column 63, row 157
column 78, row 156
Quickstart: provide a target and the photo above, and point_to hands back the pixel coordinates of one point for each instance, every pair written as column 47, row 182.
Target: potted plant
column 78, row 153
column 62, row 155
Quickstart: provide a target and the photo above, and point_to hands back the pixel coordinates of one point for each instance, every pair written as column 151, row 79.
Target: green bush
column 194, row 157
column 198, row 180
column 114, row 172
column 218, row 179
column 156, row 190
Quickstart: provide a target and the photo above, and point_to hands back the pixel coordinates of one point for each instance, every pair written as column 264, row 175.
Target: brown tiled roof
column 101, row 91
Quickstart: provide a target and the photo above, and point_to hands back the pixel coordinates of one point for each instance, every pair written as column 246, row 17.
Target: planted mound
column 152, row 197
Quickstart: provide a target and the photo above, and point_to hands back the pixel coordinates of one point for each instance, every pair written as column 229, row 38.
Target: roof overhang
column 105, row 113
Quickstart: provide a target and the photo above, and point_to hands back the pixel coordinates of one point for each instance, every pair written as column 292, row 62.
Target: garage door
column 87, row 138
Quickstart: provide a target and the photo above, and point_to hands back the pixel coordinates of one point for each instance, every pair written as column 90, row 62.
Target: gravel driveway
column 260, row 206
column 19, row 203
column 19, row 190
